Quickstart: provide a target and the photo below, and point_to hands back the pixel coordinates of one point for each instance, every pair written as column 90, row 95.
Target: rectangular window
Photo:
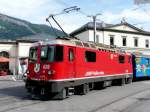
column 135, row 42
column 59, row 53
column 121, row 59
column 33, row 54
column 44, row 51
column 147, row 43
column 124, row 41
column 71, row 55
column 47, row 53
column 90, row 56
column 97, row 38
column 111, row 39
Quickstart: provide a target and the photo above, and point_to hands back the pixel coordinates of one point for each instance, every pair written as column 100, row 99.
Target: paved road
column 128, row 98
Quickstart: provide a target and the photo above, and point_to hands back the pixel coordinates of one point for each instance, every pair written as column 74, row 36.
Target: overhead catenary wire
column 66, row 10
column 68, row 5
column 142, row 7
column 139, row 7
column 146, row 12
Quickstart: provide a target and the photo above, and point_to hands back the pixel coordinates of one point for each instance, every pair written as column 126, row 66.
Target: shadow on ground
column 18, row 92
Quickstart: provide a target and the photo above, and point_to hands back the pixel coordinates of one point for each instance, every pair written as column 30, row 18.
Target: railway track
column 27, row 103
column 15, row 104
column 122, row 98
column 19, row 101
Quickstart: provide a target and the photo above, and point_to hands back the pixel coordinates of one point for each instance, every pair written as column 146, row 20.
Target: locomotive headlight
column 27, row 72
column 50, row 72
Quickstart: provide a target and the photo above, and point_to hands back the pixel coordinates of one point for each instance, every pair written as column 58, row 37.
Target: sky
column 112, row 11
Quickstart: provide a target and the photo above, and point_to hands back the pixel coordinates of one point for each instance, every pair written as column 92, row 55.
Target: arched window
column 4, row 54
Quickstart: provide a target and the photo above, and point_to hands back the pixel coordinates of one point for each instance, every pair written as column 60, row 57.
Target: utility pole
column 94, row 24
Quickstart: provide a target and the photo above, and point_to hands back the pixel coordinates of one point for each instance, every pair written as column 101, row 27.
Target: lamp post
column 94, row 23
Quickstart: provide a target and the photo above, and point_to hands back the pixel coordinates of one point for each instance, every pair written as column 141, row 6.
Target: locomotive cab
column 49, row 66
column 44, row 62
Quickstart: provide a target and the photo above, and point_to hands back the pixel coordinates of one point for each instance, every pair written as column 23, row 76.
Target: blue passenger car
column 141, row 66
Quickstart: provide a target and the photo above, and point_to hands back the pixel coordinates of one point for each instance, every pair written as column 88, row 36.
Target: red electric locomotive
column 59, row 66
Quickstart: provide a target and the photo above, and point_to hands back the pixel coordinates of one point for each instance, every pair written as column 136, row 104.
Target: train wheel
column 122, row 82
column 82, row 89
column 91, row 86
column 85, row 89
column 60, row 95
column 128, row 80
column 64, row 93
column 100, row 85
column 107, row 83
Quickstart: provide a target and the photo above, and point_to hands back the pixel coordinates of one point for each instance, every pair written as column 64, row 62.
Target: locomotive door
column 71, row 62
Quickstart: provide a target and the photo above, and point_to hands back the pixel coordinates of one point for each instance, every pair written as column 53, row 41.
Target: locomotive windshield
column 33, row 54
column 51, row 53
column 47, row 53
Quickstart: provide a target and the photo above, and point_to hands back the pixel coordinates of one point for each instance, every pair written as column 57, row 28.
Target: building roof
column 2, row 41
column 37, row 37
column 88, row 26
column 29, row 39
column 108, row 27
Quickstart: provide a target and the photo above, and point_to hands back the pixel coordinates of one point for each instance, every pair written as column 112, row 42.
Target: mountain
column 12, row 28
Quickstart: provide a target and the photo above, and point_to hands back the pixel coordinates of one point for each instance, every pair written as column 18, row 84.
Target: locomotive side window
column 33, row 54
column 71, row 55
column 121, row 59
column 59, row 53
column 90, row 56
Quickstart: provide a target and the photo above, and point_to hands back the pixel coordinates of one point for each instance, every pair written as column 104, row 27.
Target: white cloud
column 134, row 15
column 20, row 7
column 130, row 14
column 31, row 10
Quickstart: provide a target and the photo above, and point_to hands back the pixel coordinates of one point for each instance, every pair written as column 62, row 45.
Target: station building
column 123, row 35
column 17, row 51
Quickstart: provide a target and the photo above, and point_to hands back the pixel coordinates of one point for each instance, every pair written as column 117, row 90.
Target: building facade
column 15, row 51
column 18, row 51
column 123, row 35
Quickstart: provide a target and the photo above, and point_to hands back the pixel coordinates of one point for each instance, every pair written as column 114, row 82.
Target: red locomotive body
column 58, row 65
